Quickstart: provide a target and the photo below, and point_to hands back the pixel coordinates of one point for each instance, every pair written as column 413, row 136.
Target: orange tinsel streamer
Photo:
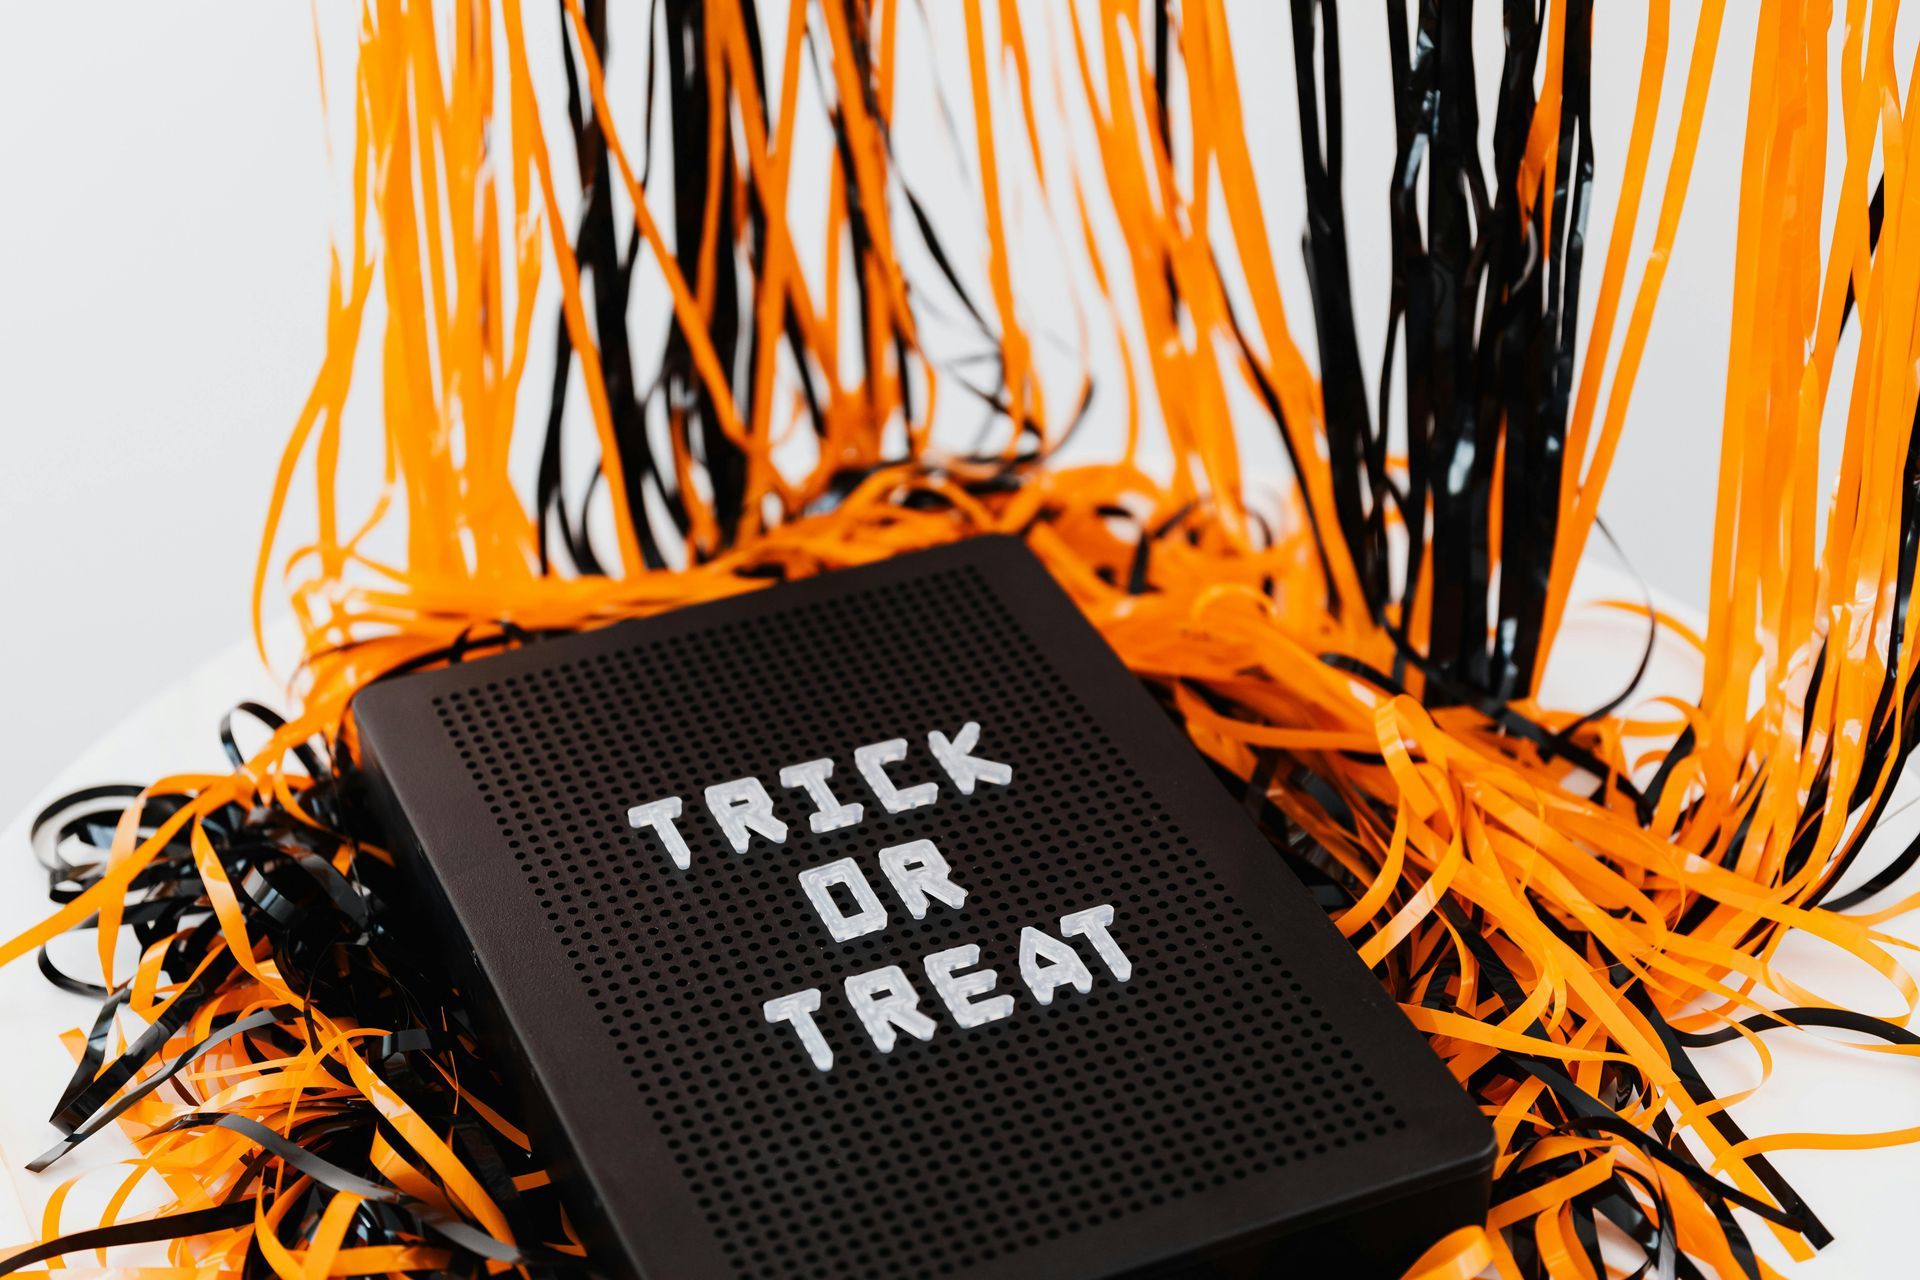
column 1559, row 906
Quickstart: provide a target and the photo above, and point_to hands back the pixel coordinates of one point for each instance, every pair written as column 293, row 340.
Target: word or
column 742, row 808
column 917, row 872
column 887, row 1003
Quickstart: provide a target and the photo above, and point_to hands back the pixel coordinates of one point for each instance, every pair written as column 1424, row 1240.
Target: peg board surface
column 1247, row 1077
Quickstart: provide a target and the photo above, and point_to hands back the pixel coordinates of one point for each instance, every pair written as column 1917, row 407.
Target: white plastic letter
column 884, row 999
column 818, row 883
column 918, row 872
column 659, row 814
column 872, row 761
column 1092, row 924
column 965, row 768
column 1063, row 965
column 743, row 806
column 958, row 990
column 829, row 814
column 796, row 1010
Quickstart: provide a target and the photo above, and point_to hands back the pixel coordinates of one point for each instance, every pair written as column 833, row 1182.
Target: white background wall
column 165, row 202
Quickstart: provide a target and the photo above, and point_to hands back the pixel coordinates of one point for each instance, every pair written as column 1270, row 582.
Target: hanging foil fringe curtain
column 779, row 352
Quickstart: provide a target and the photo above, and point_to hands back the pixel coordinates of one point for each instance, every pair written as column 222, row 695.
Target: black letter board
column 1134, row 1047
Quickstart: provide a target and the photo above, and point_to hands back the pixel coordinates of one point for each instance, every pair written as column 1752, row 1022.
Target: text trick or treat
column 844, row 900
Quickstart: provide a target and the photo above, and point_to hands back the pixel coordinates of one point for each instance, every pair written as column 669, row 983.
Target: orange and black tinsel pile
column 1569, row 902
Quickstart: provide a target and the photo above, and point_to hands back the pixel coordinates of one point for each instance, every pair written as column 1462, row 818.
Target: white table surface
column 1865, row 1198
